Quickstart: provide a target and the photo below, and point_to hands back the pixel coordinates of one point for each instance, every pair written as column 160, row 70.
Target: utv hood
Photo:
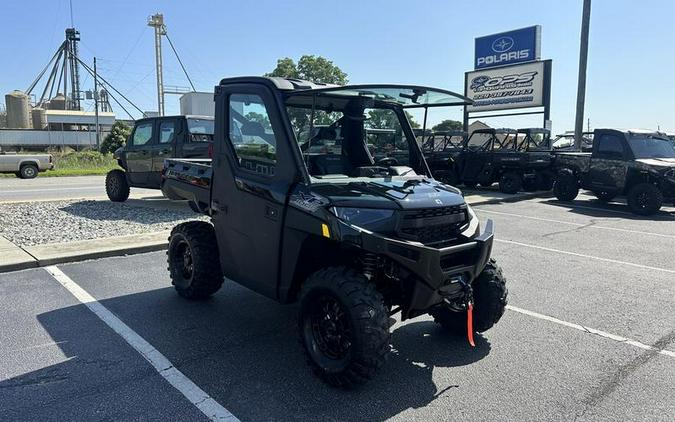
column 390, row 194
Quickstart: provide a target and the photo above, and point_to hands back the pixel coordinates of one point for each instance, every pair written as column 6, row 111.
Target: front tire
column 566, row 187
column 194, row 262
column 344, row 326
column 644, row 199
column 490, row 298
column 116, row 186
column 28, row 171
column 510, row 182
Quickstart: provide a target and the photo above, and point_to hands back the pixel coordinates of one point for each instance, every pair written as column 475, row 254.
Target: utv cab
column 356, row 231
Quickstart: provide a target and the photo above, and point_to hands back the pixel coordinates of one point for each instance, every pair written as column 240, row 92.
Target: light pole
column 581, row 87
column 157, row 22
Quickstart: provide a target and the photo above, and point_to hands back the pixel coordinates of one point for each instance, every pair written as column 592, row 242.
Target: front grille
column 436, row 227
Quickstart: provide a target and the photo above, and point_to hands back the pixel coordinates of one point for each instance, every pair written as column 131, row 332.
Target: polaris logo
column 502, row 45
column 505, row 57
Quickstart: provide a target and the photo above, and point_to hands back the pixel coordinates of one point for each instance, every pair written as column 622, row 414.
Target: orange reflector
column 469, row 324
column 325, row 231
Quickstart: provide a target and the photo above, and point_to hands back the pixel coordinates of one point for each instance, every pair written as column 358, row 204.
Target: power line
column 180, row 61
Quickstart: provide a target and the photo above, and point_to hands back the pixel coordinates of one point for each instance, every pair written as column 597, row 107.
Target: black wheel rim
column 643, row 200
column 183, row 262
column 330, row 328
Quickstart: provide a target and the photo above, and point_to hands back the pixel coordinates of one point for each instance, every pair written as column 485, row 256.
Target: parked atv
column 496, row 155
column 356, row 231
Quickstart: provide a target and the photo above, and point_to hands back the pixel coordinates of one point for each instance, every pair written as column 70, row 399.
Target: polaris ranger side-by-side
column 637, row 164
column 355, row 231
column 496, row 155
column 152, row 140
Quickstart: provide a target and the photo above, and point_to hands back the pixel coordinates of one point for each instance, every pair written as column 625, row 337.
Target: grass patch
column 78, row 163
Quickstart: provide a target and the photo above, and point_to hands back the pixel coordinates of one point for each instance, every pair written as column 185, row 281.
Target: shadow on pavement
column 242, row 349
column 597, row 208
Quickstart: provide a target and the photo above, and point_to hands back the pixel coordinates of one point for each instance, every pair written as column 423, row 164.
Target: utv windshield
column 534, row 141
column 201, row 130
column 651, row 147
column 361, row 131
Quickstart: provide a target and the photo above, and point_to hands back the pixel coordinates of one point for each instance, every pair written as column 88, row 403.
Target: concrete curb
column 60, row 253
column 15, row 258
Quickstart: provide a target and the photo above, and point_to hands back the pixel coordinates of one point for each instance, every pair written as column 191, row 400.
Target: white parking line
column 587, row 226
column 198, row 397
column 600, row 333
column 613, row 261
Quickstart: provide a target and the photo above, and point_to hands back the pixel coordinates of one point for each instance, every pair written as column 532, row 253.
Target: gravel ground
column 28, row 224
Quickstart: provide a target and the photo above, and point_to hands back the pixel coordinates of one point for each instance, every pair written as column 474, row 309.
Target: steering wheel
column 387, row 161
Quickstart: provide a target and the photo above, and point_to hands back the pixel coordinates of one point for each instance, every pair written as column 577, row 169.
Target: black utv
column 635, row 163
column 355, row 231
column 153, row 140
column 501, row 155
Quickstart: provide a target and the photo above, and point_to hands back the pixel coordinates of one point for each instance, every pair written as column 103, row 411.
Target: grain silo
column 18, row 110
column 58, row 102
column 39, row 117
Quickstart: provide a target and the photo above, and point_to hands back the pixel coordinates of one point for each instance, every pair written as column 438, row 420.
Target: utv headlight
column 368, row 218
column 474, row 225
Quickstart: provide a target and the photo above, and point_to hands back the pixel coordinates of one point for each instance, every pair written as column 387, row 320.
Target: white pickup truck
column 25, row 166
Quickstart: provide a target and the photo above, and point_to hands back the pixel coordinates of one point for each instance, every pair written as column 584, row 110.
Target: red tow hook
column 469, row 324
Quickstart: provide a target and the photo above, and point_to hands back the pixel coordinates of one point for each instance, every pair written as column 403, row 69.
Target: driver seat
column 331, row 164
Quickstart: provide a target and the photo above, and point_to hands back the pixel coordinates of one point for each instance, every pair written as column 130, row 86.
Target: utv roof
column 406, row 96
column 533, row 130
column 645, row 132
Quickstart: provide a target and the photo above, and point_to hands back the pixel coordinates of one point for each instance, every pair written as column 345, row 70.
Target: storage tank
column 200, row 103
column 18, row 110
column 58, row 102
column 39, row 116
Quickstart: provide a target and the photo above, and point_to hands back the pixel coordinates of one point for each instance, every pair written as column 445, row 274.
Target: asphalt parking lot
column 590, row 335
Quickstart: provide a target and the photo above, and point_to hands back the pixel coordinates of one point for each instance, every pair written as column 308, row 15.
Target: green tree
column 116, row 138
column 315, row 69
column 448, row 125
column 312, row 68
column 412, row 121
column 258, row 117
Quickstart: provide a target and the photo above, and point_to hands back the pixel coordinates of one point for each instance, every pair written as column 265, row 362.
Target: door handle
column 271, row 212
column 216, row 206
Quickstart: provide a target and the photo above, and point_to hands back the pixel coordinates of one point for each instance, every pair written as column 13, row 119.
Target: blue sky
column 631, row 61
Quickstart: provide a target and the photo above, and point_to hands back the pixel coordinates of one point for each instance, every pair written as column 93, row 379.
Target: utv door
column 253, row 172
column 168, row 131
column 609, row 164
column 138, row 154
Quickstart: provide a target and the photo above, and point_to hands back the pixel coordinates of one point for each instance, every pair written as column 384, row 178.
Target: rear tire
column 566, row 187
column 116, row 186
column 644, row 199
column 344, row 326
column 490, row 298
column 194, row 262
column 28, row 171
column 510, row 182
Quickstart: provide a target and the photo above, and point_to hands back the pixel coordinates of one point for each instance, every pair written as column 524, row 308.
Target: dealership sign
column 517, row 46
column 503, row 88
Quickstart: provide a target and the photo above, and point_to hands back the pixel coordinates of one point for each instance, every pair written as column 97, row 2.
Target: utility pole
column 581, row 87
column 98, row 135
column 157, row 22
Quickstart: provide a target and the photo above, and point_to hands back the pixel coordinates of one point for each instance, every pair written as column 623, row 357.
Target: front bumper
column 435, row 270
